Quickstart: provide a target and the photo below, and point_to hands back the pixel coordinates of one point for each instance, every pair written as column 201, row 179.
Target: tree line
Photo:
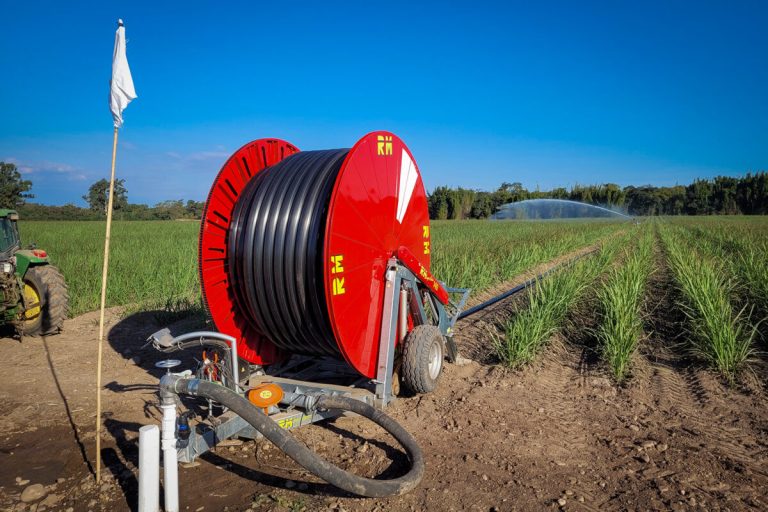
column 723, row 195
column 14, row 192
column 165, row 210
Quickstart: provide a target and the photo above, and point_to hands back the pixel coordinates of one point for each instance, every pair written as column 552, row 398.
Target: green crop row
column 743, row 249
column 549, row 302
column 480, row 254
column 153, row 264
column 740, row 248
column 720, row 334
column 621, row 322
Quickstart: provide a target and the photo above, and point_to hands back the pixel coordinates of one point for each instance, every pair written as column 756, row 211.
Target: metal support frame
column 386, row 360
column 300, row 377
column 296, row 411
column 399, row 279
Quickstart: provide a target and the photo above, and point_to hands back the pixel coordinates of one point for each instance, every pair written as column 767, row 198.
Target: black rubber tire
column 54, row 296
column 416, row 355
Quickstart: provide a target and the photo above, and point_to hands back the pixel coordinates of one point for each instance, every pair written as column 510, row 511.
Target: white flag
column 122, row 91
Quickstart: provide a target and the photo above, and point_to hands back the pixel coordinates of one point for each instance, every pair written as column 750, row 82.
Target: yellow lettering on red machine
column 338, row 286
column 383, row 145
column 337, row 267
column 336, row 264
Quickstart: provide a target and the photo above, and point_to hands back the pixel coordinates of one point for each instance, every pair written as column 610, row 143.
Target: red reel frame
column 245, row 163
column 377, row 206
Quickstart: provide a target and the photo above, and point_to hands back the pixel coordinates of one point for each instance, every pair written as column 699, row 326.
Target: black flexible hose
column 520, row 287
column 299, row 452
column 275, row 247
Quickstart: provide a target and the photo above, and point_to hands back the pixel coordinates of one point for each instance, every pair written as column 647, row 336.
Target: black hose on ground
column 299, row 452
column 520, row 287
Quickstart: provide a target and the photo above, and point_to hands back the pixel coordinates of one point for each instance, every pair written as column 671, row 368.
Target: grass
column 719, row 265
column 152, row 264
column 720, row 334
column 752, row 269
column 480, row 254
column 621, row 322
column 548, row 305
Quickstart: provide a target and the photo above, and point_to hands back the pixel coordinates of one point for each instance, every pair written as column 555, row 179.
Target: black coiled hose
column 298, row 451
column 276, row 248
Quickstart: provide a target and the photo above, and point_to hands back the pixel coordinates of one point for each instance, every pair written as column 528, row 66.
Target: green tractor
column 33, row 294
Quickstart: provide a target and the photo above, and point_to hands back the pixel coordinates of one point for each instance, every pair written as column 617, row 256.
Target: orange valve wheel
column 265, row 396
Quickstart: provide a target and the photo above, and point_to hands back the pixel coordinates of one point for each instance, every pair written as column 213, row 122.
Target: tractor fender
column 26, row 258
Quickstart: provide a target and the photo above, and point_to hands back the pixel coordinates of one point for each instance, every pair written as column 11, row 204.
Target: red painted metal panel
column 412, row 263
column 378, row 205
column 219, row 299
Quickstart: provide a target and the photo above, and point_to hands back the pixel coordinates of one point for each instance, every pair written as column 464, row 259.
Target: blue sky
column 545, row 93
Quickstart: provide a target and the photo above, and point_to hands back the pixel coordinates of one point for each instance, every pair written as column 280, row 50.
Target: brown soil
column 675, row 438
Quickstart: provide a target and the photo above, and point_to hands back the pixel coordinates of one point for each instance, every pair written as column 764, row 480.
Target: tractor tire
column 423, row 352
column 51, row 290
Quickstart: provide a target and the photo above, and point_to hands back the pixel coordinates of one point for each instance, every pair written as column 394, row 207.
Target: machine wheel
column 47, row 300
column 422, row 358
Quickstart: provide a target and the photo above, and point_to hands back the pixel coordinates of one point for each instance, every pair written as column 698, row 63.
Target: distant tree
column 98, row 196
column 194, row 209
column 723, row 195
column 559, row 193
column 699, row 198
column 482, row 206
column 13, row 189
column 438, row 203
column 752, row 193
column 171, row 209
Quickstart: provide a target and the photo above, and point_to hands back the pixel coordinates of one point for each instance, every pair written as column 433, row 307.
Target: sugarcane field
column 403, row 257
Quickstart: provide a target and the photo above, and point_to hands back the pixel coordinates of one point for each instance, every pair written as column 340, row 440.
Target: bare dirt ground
column 557, row 435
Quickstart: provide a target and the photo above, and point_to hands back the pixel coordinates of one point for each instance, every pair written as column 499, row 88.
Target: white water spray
column 553, row 209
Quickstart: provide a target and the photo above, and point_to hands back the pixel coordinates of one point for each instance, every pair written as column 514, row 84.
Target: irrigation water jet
column 531, row 209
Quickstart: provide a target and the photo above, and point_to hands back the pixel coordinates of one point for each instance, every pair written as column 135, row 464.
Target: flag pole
column 101, row 310
column 121, row 93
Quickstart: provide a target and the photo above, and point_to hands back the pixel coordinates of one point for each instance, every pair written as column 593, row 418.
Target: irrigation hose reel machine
column 315, row 269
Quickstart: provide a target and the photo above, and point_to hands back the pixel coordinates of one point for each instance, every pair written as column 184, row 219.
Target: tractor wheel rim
column 435, row 361
column 31, row 297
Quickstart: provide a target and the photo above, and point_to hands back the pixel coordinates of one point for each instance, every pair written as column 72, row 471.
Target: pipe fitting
column 300, row 400
column 168, row 388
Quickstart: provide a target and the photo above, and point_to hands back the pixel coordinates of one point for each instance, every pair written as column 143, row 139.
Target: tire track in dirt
column 701, row 416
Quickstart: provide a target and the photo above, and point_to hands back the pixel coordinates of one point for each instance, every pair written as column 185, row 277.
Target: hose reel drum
column 295, row 248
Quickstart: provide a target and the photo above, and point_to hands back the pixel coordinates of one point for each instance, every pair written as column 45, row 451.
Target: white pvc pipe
column 170, row 459
column 149, row 468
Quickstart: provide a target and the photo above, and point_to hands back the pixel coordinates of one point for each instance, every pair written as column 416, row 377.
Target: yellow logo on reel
column 384, row 145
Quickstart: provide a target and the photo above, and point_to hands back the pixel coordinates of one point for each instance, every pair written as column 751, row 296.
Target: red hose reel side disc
column 218, row 297
column 378, row 204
